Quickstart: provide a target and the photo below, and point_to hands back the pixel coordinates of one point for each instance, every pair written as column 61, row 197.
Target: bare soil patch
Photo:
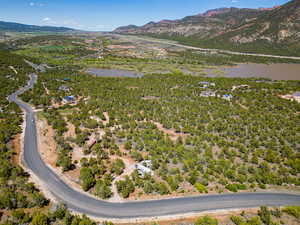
column 47, row 147
column 150, row 98
column 46, row 142
column 170, row 132
column 71, row 131
column 17, row 147
column 106, row 121
column 132, row 87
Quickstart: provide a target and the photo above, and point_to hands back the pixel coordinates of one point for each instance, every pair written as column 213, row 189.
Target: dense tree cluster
column 15, row 190
column 60, row 215
column 265, row 216
column 247, row 143
column 17, row 194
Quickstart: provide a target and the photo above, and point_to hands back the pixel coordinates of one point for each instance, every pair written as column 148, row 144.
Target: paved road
column 93, row 207
column 173, row 43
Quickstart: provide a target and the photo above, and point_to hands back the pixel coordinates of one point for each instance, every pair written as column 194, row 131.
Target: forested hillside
column 18, row 27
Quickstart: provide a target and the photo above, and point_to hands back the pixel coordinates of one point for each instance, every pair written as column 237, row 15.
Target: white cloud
column 46, row 19
column 49, row 21
column 36, row 4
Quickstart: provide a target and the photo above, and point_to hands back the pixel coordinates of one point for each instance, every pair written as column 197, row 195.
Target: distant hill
column 268, row 30
column 209, row 24
column 18, row 27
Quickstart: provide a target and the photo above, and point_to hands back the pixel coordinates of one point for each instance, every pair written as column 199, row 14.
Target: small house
column 206, row 84
column 64, row 88
column 227, row 97
column 69, row 99
column 243, row 86
column 296, row 96
column 208, row 94
column 144, row 167
column 66, row 79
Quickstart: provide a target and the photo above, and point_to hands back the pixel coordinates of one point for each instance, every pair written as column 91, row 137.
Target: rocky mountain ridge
column 232, row 27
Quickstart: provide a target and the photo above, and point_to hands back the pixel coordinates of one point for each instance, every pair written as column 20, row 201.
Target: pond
column 113, row 73
column 279, row 71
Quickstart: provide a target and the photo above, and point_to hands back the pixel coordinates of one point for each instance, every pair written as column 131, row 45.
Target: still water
column 280, row 71
column 112, row 73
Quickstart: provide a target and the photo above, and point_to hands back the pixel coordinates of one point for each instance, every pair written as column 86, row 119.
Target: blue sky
column 105, row 15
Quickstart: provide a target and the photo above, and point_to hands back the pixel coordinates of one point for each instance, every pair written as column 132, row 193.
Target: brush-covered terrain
column 272, row 31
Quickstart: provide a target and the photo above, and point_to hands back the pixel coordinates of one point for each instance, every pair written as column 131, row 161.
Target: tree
column 102, row 190
column 86, row 221
column 125, row 187
column 206, row 220
column 293, row 211
column 162, row 188
column 265, row 215
column 237, row 220
column 87, row 178
column 118, row 167
column 40, row 219
column 254, row 221
column 128, row 145
column 60, row 211
column 39, row 200
column 201, row 188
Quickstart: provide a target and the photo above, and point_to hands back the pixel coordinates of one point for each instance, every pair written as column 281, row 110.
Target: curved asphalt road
column 93, row 207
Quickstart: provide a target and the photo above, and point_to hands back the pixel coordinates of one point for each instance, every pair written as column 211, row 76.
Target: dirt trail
column 129, row 168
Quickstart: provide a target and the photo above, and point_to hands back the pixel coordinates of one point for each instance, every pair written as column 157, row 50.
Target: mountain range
column 269, row 30
column 18, row 27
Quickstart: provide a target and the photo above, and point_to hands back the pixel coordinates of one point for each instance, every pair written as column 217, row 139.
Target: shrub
column 40, row 219
column 235, row 187
column 231, row 187
column 206, row 220
column 265, row 215
column 237, row 220
column 293, row 211
column 201, row 188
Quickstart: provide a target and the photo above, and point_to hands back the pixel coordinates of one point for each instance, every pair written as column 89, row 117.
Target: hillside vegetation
column 195, row 143
column 272, row 31
column 18, row 27
column 20, row 201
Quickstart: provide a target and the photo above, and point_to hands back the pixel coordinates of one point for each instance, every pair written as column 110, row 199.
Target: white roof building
column 144, row 167
column 206, row 84
column 208, row 94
